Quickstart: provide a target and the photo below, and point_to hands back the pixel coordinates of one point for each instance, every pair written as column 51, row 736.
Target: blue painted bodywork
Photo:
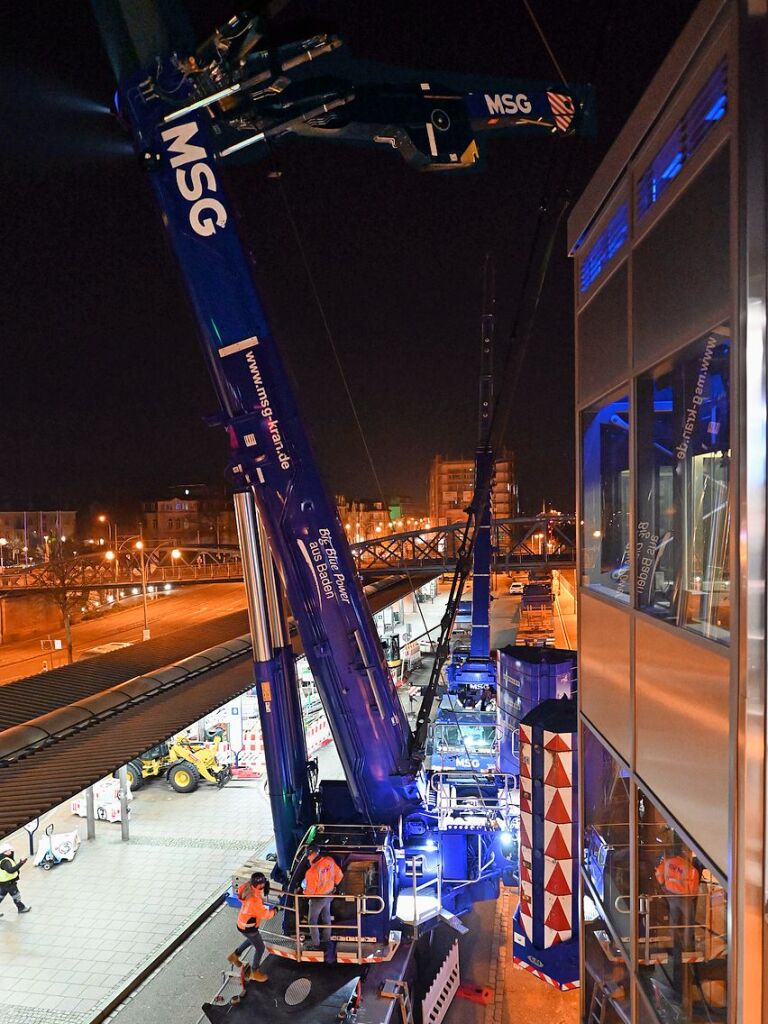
column 271, row 453
column 527, row 677
column 461, row 738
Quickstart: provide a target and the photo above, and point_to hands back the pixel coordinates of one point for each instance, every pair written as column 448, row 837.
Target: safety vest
column 253, row 910
column 8, row 876
column 678, row 876
column 323, row 876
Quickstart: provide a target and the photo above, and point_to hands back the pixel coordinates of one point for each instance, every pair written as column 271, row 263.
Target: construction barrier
column 250, row 761
column 475, row 993
column 318, row 735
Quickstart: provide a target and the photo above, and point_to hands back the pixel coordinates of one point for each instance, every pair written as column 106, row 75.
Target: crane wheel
column 184, row 777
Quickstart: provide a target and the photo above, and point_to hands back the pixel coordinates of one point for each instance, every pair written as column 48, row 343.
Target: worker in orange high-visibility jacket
column 321, row 879
column 253, row 912
column 679, row 877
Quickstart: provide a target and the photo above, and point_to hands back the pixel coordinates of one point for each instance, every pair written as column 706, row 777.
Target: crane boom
column 271, row 455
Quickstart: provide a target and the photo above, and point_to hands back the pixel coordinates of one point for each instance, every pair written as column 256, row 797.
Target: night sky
column 103, row 386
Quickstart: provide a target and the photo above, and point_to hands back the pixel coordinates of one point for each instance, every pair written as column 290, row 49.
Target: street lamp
column 140, row 549
column 176, row 555
column 3, row 542
column 108, row 521
column 110, row 556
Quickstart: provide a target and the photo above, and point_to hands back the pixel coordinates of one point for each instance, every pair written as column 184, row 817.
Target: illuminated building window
column 605, row 498
column 683, row 488
column 710, row 105
column 604, row 248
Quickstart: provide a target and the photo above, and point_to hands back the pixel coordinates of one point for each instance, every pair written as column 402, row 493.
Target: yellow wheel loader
column 182, row 761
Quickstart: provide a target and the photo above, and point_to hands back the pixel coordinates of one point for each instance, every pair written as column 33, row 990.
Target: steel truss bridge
column 163, row 564
column 527, row 542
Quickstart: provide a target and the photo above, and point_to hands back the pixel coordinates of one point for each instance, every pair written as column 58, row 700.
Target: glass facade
column 605, row 498
column 680, row 957
column 606, row 975
column 606, row 834
column 673, row 676
column 683, row 470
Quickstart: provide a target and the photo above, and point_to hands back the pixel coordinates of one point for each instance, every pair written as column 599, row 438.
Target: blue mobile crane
column 463, row 735
column 471, row 673
column 186, row 110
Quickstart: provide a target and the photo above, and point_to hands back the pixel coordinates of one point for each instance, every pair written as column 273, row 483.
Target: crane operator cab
column 337, row 905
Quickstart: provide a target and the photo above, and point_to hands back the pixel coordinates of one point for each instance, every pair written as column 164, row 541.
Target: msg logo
column 506, row 103
column 206, row 213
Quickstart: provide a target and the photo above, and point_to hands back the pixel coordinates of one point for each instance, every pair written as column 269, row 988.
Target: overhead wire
column 482, row 488
column 502, row 402
column 334, row 349
column 547, row 47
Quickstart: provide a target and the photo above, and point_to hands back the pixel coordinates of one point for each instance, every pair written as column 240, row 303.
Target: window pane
column 606, row 833
column 603, row 353
column 605, row 498
column 683, row 461
column 682, row 926
column 606, row 976
column 681, row 270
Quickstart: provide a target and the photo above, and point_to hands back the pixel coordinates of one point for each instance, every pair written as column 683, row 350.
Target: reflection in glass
column 682, row 926
column 605, row 971
column 605, row 494
column 606, row 832
column 683, row 464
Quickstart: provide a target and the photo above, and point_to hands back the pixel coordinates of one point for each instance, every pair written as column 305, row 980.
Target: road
column 167, row 613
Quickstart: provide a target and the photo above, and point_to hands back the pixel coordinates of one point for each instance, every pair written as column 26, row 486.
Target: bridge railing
column 523, row 541
column 91, row 571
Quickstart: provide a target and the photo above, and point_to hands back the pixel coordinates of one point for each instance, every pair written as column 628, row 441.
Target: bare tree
column 68, row 580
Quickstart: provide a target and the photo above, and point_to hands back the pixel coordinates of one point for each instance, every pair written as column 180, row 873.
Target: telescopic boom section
column 480, row 642
column 272, row 454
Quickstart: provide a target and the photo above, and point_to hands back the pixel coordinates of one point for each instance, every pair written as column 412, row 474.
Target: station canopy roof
column 134, row 698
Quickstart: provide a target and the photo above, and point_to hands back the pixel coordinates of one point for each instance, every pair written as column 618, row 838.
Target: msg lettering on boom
column 206, row 213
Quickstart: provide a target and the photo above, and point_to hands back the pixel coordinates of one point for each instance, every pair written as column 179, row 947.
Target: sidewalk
column 97, row 920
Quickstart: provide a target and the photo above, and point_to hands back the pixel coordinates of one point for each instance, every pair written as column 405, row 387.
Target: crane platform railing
column 286, row 934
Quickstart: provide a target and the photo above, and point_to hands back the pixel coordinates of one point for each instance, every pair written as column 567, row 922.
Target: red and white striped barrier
column 251, row 762
column 318, row 735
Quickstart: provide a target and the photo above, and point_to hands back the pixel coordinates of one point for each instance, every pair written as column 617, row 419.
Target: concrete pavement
column 97, row 920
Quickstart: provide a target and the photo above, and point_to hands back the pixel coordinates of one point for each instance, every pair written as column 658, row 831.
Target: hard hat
column 6, row 848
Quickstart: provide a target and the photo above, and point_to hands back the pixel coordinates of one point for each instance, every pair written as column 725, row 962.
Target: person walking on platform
column 253, row 912
column 9, row 877
column 322, row 877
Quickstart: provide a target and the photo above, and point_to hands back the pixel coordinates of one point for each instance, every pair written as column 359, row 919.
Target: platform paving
column 97, row 921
